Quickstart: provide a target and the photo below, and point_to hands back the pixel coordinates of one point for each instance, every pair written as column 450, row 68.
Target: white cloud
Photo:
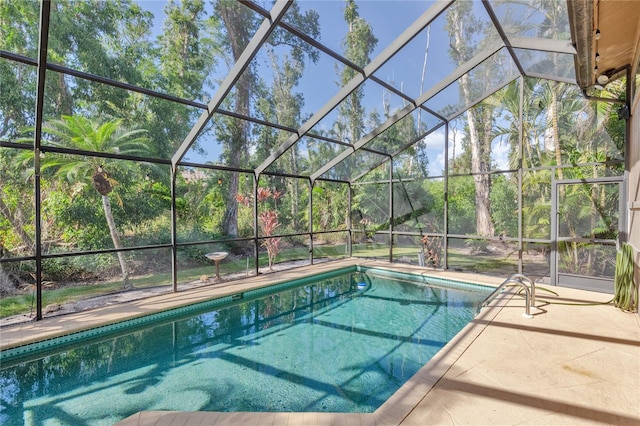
column 435, row 140
column 500, row 155
column 437, row 167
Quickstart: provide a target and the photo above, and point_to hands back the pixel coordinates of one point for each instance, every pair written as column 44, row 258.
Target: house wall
column 633, row 165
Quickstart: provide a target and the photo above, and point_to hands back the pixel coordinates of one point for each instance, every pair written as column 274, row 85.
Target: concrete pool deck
column 576, row 362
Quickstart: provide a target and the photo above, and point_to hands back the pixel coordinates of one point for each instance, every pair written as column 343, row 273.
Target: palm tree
column 85, row 134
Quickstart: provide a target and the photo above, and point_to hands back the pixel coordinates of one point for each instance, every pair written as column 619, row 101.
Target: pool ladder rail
column 529, row 292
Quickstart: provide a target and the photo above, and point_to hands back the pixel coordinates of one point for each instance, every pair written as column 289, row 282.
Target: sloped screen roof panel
column 551, row 65
column 168, row 47
column 355, row 165
column 404, row 132
column 533, row 18
column 472, row 87
column 306, row 156
column 212, row 147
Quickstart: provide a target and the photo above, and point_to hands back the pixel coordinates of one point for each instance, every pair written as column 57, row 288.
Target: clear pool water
column 341, row 344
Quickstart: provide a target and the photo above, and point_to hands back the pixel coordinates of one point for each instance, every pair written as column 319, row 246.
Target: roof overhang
column 607, row 38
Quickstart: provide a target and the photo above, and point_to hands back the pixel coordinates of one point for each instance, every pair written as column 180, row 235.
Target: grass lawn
column 25, row 303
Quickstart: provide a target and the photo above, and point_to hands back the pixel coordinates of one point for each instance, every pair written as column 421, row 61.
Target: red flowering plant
column 267, row 221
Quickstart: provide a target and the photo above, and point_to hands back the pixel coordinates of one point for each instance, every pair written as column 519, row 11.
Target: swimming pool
column 340, row 342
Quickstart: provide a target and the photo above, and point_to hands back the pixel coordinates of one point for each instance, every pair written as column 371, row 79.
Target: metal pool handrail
column 516, row 279
column 532, row 286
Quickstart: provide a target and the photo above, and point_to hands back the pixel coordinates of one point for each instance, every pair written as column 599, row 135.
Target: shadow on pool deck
column 572, row 363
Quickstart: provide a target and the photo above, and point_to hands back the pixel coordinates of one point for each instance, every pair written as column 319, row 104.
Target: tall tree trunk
column 236, row 21
column 230, row 220
column 552, row 133
column 63, row 103
column 460, row 31
column 117, row 244
column 556, row 132
column 293, row 186
column 481, row 178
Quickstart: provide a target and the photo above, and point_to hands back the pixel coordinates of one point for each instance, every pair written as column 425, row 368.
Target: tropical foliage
column 77, row 173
